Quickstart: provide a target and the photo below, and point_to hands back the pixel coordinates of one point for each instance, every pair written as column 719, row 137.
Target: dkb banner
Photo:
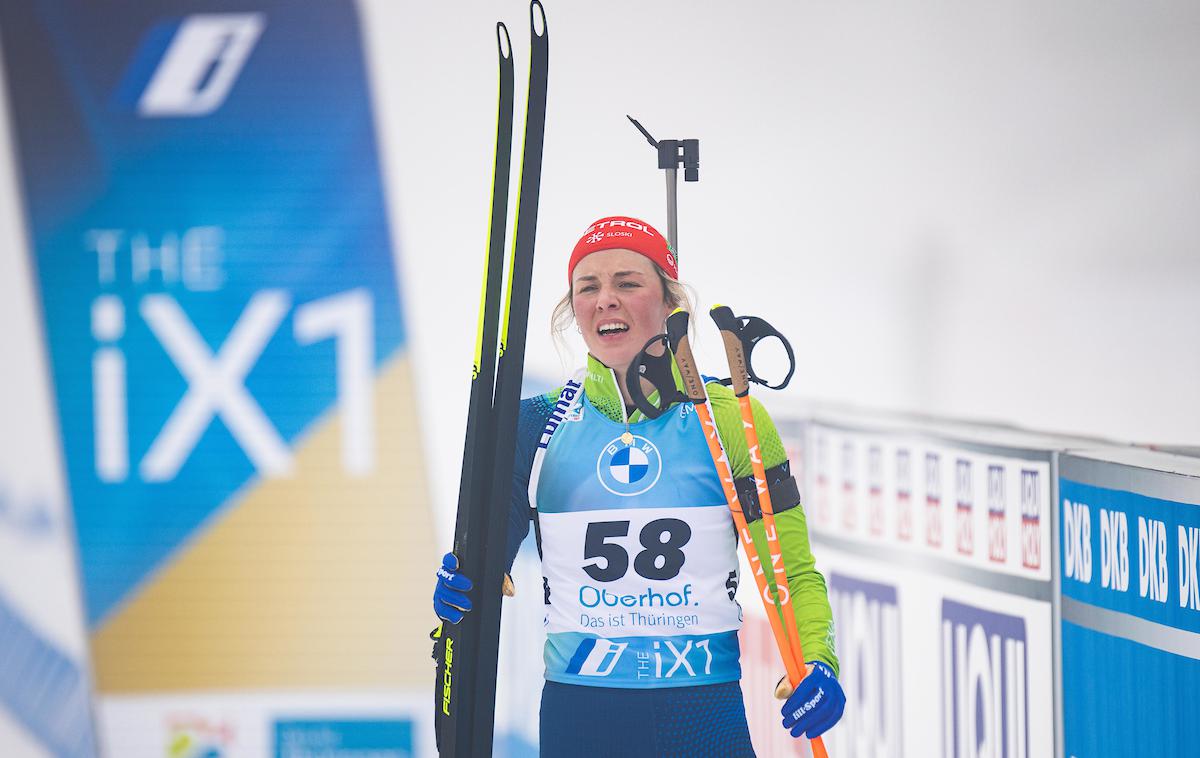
column 1131, row 603
column 227, row 347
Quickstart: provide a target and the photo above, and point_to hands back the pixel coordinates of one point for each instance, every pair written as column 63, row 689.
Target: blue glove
column 450, row 600
column 816, row 705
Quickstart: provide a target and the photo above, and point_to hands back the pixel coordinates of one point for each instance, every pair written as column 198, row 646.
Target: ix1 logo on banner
column 186, row 67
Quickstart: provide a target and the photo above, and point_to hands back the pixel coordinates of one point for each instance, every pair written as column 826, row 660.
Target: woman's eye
column 585, row 288
column 630, row 285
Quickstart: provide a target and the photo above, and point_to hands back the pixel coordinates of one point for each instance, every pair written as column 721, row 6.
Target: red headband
column 623, row 232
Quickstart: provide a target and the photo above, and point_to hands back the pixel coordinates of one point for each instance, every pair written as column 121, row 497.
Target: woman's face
column 618, row 303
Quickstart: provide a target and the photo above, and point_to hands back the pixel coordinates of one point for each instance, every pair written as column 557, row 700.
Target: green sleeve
column 810, row 599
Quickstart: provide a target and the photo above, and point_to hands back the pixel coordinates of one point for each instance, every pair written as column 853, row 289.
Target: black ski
column 453, row 684
column 509, row 372
column 467, row 652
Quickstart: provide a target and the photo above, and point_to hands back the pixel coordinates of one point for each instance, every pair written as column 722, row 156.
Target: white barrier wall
column 997, row 593
column 936, row 550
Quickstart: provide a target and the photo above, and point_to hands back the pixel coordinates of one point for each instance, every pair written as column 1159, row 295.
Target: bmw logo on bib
column 629, row 469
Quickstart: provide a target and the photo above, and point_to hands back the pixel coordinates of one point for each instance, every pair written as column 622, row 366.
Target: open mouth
column 612, row 328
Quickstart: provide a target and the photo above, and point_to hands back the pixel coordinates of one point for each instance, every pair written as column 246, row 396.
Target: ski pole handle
column 656, row 371
column 735, row 354
column 681, row 348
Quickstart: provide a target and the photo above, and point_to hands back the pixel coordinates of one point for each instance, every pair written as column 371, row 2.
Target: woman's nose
column 607, row 298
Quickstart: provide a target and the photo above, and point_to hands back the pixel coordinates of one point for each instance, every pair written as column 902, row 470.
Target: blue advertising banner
column 1130, row 555
column 204, row 238
column 226, row 339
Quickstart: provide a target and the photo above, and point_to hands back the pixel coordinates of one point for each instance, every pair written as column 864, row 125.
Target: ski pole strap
column 749, row 331
column 655, row 369
column 781, row 485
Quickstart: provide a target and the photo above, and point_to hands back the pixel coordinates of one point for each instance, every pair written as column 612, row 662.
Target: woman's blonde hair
column 676, row 294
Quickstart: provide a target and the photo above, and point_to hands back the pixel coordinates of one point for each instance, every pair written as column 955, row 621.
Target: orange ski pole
column 693, row 384
column 730, row 325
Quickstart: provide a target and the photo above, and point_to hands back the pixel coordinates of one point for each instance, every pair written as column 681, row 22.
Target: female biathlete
column 638, row 554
